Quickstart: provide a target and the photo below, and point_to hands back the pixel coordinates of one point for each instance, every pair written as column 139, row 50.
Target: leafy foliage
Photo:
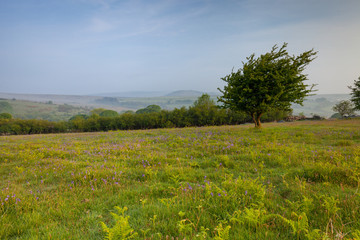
column 149, row 109
column 203, row 113
column 344, row 108
column 222, row 233
column 108, row 113
column 122, row 229
column 272, row 81
column 355, row 94
column 5, row 116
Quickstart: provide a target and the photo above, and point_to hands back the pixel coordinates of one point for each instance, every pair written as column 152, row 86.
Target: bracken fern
column 121, row 229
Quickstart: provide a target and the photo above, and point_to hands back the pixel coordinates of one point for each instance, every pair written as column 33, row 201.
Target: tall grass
column 286, row 181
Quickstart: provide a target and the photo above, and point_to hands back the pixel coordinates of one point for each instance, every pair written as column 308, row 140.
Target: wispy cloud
column 182, row 40
column 135, row 18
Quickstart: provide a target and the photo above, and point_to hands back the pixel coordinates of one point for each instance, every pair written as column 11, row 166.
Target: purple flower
column 245, row 192
column 212, row 194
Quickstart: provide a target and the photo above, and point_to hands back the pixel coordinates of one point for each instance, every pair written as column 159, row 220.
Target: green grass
column 286, row 181
column 38, row 110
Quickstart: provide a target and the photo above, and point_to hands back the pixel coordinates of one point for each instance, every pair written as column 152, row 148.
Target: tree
column 355, row 94
column 5, row 116
column 344, row 107
column 204, row 101
column 109, row 113
column 274, row 80
column 149, row 109
column 204, row 111
column 97, row 111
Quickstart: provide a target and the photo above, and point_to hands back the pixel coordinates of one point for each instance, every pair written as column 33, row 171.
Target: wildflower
column 212, row 194
column 245, row 192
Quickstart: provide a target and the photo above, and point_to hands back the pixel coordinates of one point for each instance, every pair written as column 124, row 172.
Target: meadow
column 295, row 180
column 21, row 109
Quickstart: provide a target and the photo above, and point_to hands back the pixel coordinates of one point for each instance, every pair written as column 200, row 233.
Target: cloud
column 135, row 18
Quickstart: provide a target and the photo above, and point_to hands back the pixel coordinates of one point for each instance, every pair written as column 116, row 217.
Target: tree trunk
column 256, row 118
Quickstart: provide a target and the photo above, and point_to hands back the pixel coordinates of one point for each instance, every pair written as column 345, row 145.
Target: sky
column 82, row 47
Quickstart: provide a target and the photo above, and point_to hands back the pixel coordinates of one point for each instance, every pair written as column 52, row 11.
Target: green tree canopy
column 109, row 113
column 272, row 81
column 97, row 111
column 5, row 116
column 149, row 109
column 78, row 117
column 345, row 108
column 355, row 94
column 204, row 101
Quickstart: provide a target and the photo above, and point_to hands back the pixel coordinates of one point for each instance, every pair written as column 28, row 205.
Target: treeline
column 203, row 113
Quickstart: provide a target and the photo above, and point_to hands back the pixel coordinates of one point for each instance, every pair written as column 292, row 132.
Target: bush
column 5, row 116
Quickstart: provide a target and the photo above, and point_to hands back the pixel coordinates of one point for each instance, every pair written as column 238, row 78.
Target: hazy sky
column 99, row 46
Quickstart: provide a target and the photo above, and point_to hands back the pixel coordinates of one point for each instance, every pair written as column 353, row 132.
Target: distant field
column 38, row 110
column 318, row 104
column 286, row 181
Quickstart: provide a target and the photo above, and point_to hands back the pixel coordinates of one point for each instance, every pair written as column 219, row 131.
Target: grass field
column 38, row 110
column 286, row 181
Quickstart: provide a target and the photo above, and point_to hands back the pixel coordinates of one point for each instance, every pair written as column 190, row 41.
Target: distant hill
column 185, row 93
column 320, row 104
column 23, row 109
column 133, row 94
